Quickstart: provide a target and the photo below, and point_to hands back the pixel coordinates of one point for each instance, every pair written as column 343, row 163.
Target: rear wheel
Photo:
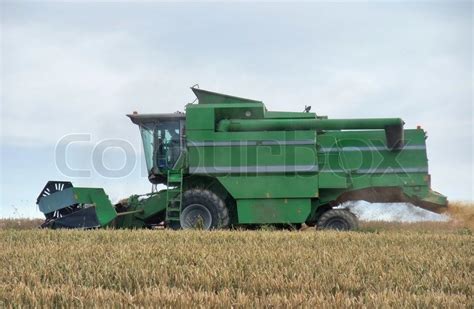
column 338, row 219
column 203, row 209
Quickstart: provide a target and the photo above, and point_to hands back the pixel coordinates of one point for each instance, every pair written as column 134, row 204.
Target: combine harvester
column 229, row 161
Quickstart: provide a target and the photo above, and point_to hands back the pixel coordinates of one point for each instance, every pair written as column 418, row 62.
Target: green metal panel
column 104, row 209
column 428, row 198
column 252, row 151
column 263, row 211
column 204, row 117
column 141, row 208
column 247, row 111
column 211, row 160
column 271, row 186
column 152, row 205
column 199, row 118
column 333, row 180
column 341, row 153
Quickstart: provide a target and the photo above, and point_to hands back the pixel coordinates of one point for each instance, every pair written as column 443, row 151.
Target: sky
column 70, row 71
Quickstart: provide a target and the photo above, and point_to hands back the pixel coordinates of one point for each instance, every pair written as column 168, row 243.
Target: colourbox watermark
column 250, row 157
column 92, row 154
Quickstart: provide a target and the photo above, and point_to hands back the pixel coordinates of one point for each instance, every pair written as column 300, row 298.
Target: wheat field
column 382, row 264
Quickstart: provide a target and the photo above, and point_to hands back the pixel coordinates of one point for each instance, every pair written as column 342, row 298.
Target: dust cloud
column 392, row 212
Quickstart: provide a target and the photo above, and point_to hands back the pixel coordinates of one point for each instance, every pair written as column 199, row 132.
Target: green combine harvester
column 228, row 161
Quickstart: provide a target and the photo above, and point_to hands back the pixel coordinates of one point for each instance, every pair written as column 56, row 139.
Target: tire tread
column 342, row 213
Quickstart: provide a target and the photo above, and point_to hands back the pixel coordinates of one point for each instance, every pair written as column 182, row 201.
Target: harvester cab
column 163, row 142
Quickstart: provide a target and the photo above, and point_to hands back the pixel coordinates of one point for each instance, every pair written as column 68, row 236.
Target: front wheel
column 203, row 209
column 338, row 219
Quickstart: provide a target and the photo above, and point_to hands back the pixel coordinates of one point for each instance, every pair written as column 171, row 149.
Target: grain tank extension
column 229, row 161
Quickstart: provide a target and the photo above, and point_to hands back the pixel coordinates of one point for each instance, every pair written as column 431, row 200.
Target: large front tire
column 338, row 219
column 203, row 209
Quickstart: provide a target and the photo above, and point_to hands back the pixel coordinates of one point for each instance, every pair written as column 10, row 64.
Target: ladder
column 174, row 196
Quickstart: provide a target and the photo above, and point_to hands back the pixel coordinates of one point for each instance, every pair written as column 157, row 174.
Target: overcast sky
column 79, row 67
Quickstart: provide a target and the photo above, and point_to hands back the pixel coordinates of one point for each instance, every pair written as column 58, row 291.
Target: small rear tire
column 338, row 219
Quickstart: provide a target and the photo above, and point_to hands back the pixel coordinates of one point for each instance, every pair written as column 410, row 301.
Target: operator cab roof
column 147, row 118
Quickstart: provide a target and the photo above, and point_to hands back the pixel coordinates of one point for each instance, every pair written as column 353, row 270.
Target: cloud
column 52, row 89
